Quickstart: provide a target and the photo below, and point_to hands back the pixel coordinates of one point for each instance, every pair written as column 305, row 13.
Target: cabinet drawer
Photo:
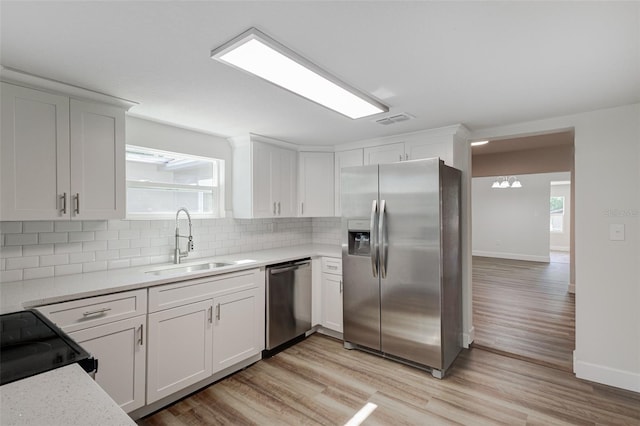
column 80, row 314
column 190, row 291
column 332, row 265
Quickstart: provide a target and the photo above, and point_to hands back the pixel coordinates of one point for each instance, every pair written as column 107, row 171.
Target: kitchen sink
column 184, row 269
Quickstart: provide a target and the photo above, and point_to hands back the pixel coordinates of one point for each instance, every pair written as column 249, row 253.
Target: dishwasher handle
column 289, row 267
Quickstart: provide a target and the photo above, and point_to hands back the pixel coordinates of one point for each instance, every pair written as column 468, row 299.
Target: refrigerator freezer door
column 410, row 250
column 361, row 289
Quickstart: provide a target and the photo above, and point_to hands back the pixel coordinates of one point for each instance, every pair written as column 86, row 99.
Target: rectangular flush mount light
column 259, row 54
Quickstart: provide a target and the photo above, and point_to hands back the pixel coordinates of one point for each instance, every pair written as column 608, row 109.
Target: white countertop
column 18, row 295
column 64, row 396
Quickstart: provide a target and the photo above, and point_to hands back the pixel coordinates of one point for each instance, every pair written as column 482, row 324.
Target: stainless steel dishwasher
column 288, row 314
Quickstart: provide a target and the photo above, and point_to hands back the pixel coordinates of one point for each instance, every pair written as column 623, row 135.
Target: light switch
column 616, row 232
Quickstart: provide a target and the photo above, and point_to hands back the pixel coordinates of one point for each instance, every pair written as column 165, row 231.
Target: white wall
column 512, row 223
column 562, row 240
column 607, row 191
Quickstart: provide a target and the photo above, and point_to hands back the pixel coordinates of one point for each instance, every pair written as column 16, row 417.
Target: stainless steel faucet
column 179, row 254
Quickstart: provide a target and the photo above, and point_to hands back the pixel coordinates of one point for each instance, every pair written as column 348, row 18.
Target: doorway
column 523, row 306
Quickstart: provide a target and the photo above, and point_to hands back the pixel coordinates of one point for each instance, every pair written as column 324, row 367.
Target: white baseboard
column 468, row 337
column 560, row 248
column 572, row 288
column 513, row 256
column 606, row 375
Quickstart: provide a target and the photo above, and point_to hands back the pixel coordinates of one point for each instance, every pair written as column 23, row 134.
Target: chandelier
column 502, row 182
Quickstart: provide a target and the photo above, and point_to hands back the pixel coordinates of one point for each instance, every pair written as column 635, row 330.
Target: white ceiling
column 478, row 63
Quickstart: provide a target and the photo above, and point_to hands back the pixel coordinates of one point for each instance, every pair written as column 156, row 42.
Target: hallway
column 523, row 309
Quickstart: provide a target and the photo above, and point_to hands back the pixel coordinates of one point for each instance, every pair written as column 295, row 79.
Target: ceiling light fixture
column 478, row 143
column 260, row 55
column 503, row 182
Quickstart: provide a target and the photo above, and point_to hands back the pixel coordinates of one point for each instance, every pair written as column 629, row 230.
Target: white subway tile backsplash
column 53, row 237
column 54, row 259
column 22, row 262
column 67, row 226
column 106, row 235
column 107, row 255
column 70, row 269
column 10, row 227
column 81, row 236
column 13, row 251
column 83, row 257
column 3, row 264
column 67, row 248
column 94, row 245
column 14, row 275
column 118, row 244
column 35, row 227
column 37, row 250
column 94, row 225
column 100, row 245
column 34, row 273
column 100, row 265
column 20, row 239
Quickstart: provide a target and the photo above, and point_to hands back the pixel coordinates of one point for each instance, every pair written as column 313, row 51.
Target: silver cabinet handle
column 302, row 208
column 332, row 267
column 64, row 203
column 406, row 156
column 374, row 240
column 218, row 312
column 400, row 157
column 210, row 311
column 382, row 239
column 278, row 208
column 96, row 312
column 141, row 339
column 77, row 209
column 340, row 286
column 274, row 208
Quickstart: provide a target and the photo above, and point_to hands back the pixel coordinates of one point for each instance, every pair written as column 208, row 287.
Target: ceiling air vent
column 398, row 118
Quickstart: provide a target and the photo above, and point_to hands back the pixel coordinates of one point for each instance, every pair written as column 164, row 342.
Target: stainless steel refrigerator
column 401, row 261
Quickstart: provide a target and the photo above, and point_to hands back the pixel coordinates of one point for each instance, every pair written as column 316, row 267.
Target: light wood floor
column 524, row 309
column 319, row 382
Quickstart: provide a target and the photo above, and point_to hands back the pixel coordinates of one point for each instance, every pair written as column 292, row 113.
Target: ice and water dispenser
column 359, row 238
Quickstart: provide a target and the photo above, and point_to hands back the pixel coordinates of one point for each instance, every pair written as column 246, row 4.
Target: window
column 160, row 182
column 556, row 210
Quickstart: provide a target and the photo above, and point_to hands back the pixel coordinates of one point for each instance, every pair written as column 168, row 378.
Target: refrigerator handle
column 374, row 239
column 382, row 239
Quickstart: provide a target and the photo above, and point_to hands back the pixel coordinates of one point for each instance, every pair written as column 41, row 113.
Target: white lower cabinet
column 180, row 348
column 235, row 334
column 332, row 293
column 120, row 349
column 200, row 327
column 112, row 329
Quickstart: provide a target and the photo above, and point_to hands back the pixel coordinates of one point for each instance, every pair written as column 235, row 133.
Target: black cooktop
column 31, row 344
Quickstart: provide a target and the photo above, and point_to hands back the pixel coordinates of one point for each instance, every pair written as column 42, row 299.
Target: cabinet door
column 315, row 184
column 349, row 158
column 430, row 149
column 179, row 349
column 34, row 155
column 238, row 331
column 332, row 302
column 285, row 174
column 119, row 348
column 97, row 161
column 262, row 159
column 384, row 154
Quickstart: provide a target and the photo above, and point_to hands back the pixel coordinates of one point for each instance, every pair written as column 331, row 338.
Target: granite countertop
column 18, row 295
column 64, row 396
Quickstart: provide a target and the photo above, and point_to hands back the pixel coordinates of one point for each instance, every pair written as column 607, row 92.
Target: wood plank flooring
column 318, row 382
column 524, row 309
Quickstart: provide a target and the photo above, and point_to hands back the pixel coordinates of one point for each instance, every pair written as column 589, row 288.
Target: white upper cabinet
column 343, row 159
column 315, row 184
column 384, row 154
column 264, row 179
column 61, row 158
